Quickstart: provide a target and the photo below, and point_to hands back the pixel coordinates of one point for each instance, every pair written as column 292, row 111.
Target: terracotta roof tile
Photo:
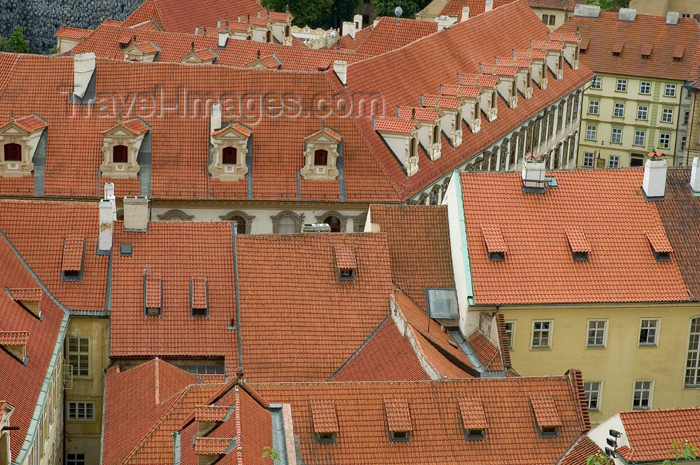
column 211, row 446
column 72, row 33
column 659, row 241
column 388, row 34
column 460, row 91
column 324, row 417
column 73, row 250
column 400, row 125
column 14, row 338
column 494, row 239
column 476, row 7
column 441, row 101
column 210, row 412
column 398, row 415
column 486, row 351
column 579, row 452
column 481, row 80
column 31, row 295
column 545, row 410
column 419, row 113
column 199, row 293
column 500, row 70
column 31, row 123
column 345, row 258
column 472, row 411
column 577, row 240
column 328, row 131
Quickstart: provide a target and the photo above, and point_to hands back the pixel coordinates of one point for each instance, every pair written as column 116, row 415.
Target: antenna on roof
column 12, row 115
column 398, row 11
column 287, row 10
column 119, row 116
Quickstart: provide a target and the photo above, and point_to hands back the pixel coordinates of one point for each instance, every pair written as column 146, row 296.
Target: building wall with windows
column 625, row 117
column 86, row 358
column 638, row 354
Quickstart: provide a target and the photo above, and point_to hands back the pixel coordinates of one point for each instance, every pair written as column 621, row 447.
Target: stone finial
column 12, row 115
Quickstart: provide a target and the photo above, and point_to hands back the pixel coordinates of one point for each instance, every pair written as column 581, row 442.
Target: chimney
column 586, row 11
column 108, row 213
column 672, row 18
column 136, row 214
column 465, row 14
column 533, row 173
column 488, row 5
column 445, row 21
column 627, row 14
column 695, row 175
column 341, row 70
column 223, row 37
column 358, row 22
column 654, row 183
column 83, row 69
column 349, row 29
column 215, row 117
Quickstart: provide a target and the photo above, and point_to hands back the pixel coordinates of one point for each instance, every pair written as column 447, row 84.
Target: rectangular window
column 592, row 391
column 75, row 459
column 590, row 132
column 545, row 19
column 510, row 333
column 685, row 117
column 593, row 106
column 639, row 136
column 614, row 161
column 692, row 367
column 81, row 411
column 597, row 82
column 648, row 331
column 552, row 19
column 642, row 111
column 79, row 355
column 645, row 88
column 642, row 395
column 619, row 111
column 588, row 159
column 621, row 85
column 541, row 334
column 664, row 141
column 616, row 136
column 596, row 333
column 667, row 115
column 683, row 141
column 670, row 90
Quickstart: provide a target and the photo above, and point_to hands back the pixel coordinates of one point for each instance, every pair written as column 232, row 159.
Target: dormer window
column 29, row 299
column 230, row 147
column 427, row 122
column 15, row 343
column 143, row 52
column 152, row 294
column 321, row 151
column 325, row 421
column 120, row 147
column 495, row 245
column 398, row 417
column 19, row 140
column 345, row 263
column 547, row 417
column 659, row 245
column 578, row 244
column 473, row 418
column 199, row 297
column 73, row 257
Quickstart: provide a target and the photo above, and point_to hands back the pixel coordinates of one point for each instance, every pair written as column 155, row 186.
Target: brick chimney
column 136, row 214
column 533, row 173
column 340, row 68
column 83, row 69
column 695, row 175
column 654, row 183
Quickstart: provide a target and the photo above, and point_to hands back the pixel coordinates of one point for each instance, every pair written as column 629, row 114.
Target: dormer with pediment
column 572, row 42
column 145, row 52
column 523, row 75
column 203, row 56
column 471, row 103
column 401, row 136
column 230, row 147
column 554, row 52
column 19, row 140
column 489, row 95
column 120, row 148
column 538, row 65
column 451, row 122
column 321, row 151
column 507, row 86
column 281, row 26
column 429, row 128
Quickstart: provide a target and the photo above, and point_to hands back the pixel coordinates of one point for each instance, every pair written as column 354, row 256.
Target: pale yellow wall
column 83, row 436
column 560, row 16
column 605, row 121
column 621, row 362
column 661, row 7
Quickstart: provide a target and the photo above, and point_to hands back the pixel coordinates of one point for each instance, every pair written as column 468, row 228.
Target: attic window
column 325, row 421
column 15, row 343
column 398, row 417
column 678, row 53
column 580, row 248
column 473, row 418
column 345, row 263
column 321, row 151
column 72, row 264
column 13, row 152
column 153, row 294
column 617, row 48
column 199, row 297
column 646, row 51
column 120, row 154
column 546, row 416
column 660, row 245
column 229, row 156
column 495, row 245
column 29, row 299
column 231, row 151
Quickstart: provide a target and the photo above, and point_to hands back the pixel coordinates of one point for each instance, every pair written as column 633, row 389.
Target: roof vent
column 586, row 11
column 659, row 244
column 654, row 182
column 325, row 420
column 532, row 174
column 627, row 14
column 695, row 176
column 495, row 245
column 546, row 416
column 398, row 418
column 473, row 418
column 125, row 250
column 672, row 18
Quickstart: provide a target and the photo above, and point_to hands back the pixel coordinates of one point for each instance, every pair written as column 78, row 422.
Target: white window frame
column 643, row 133
column 670, row 90
column 684, row 140
column 651, row 394
column 586, row 157
column 614, row 161
column 686, row 117
column 664, row 144
column 77, row 416
column 621, row 85
column 604, row 341
column 646, row 84
column 645, row 109
column 79, row 354
column 550, row 332
column 591, row 129
column 598, row 392
column 619, row 110
column 593, row 105
column 616, row 136
column 597, row 82
column 667, row 115
column 510, row 334
column 693, row 338
column 656, row 332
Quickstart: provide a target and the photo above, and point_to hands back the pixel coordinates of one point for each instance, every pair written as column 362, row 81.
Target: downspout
column 238, row 305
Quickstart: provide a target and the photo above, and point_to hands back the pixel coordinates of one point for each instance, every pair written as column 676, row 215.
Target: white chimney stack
column 358, row 22
column 349, row 28
column 695, row 175
column 654, row 183
column 136, row 214
column 109, row 195
column 533, row 173
column 215, row 117
column 488, row 5
column 104, row 238
column 341, row 70
column 465, row 13
column 223, row 38
column 83, row 69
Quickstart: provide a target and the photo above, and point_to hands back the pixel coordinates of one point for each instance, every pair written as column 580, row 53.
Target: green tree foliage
column 679, row 451
column 272, row 453
column 304, row 11
column 17, row 43
column 609, row 5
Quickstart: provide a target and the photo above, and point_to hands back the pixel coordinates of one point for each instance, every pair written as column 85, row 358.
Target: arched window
column 268, row 37
column 287, row 31
column 477, row 109
column 321, row 157
column 229, row 156
column 414, row 147
column 436, row 133
column 692, row 372
column 13, row 152
column 458, row 120
column 120, row 154
column 287, row 225
column 333, row 222
column 240, row 224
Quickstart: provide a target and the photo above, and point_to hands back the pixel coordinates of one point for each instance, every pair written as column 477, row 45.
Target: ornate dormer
column 523, row 76
column 451, row 122
column 145, row 51
column 260, row 29
column 429, row 129
column 120, row 148
column 19, row 139
column 321, row 150
column 488, row 96
column 538, row 65
column 203, row 56
column 401, row 135
column 281, row 25
column 571, row 42
column 230, row 149
column 471, row 103
column 240, row 30
column 267, row 62
column 554, row 52
column 507, row 85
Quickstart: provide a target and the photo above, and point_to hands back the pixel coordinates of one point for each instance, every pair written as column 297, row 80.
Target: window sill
column 540, row 348
column 648, row 346
column 596, row 347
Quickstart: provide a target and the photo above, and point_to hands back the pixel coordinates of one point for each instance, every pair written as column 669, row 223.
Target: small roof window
column 473, row 418
column 398, row 417
column 442, row 303
column 72, row 263
column 580, row 248
column 345, row 262
column 546, row 416
column 495, row 245
column 659, row 244
column 325, row 420
column 153, row 294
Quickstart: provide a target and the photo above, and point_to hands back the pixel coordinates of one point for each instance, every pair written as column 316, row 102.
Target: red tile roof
column 486, row 351
column 481, row 80
column 31, row 295
column 398, row 415
column 399, row 125
column 580, row 451
column 199, row 293
column 476, row 7
column 567, row 5
column 419, row 245
column 617, row 240
column 31, row 123
column 73, row 248
column 494, row 239
column 460, row 91
column 500, row 70
column 441, row 101
column 210, row 413
column 344, row 258
column 324, row 418
column 14, row 338
column 658, row 240
column 644, row 31
column 472, row 411
column 650, row 433
column 327, row 131
column 419, row 113
column 577, row 240
column 72, row 33
column 211, row 446
column 388, row 34
column 545, row 410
